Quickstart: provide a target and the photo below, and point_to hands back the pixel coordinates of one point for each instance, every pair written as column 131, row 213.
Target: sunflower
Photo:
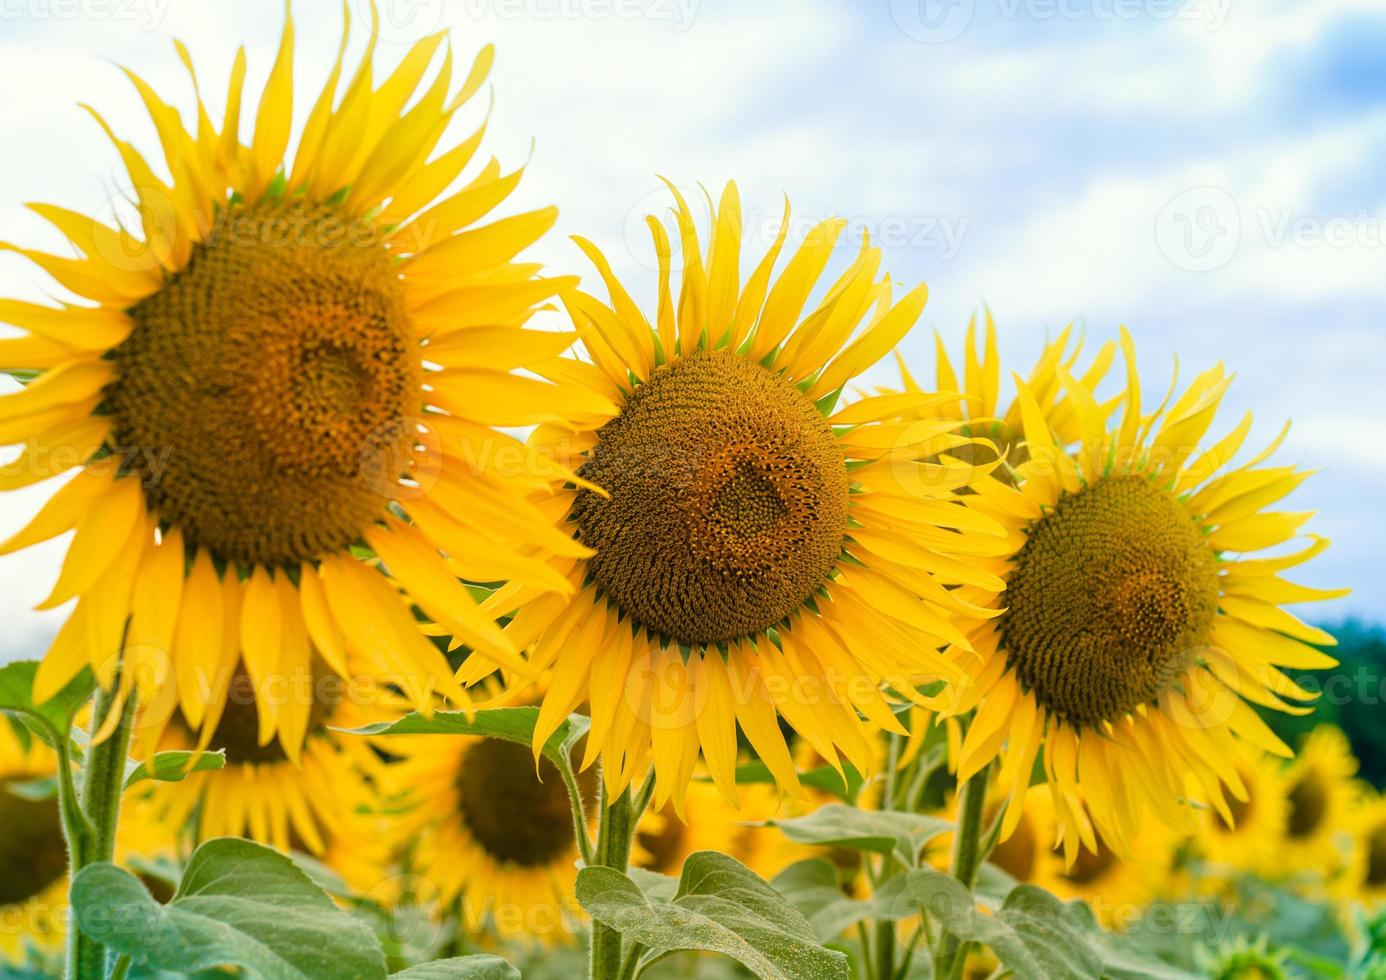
column 310, row 799
column 664, row 839
column 1117, row 887
column 1321, row 793
column 278, row 393
column 1139, row 620
column 1251, row 839
column 761, row 549
column 34, row 909
column 1365, row 880
column 483, row 828
column 33, row 891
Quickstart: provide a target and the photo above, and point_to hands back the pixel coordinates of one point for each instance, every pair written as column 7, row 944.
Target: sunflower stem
column 103, row 784
column 885, row 927
column 579, row 807
column 616, row 821
column 967, row 858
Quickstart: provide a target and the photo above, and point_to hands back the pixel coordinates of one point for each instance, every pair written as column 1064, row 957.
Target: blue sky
column 1205, row 171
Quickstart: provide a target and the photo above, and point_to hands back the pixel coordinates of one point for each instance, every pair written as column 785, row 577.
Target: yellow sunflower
column 1139, row 620
column 762, row 550
column 1118, row 888
column 485, row 830
column 1365, row 880
column 1321, row 793
column 34, row 910
column 284, row 366
column 33, row 852
column 308, row 799
column 664, row 839
column 1251, row 839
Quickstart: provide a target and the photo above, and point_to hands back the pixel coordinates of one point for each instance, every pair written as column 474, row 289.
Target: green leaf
column 812, row 886
column 174, row 766
column 239, row 904
column 660, row 887
column 721, row 907
column 35, row 790
column 54, row 716
column 1033, row 934
column 511, row 724
column 884, row 832
column 824, row 779
column 478, row 967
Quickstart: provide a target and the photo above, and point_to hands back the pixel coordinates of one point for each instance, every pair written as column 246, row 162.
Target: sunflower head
column 762, row 546
column 488, row 830
column 1138, row 621
column 1244, row 958
column 279, row 383
column 33, row 851
column 1320, row 793
column 722, row 476
column 282, row 358
column 1095, row 654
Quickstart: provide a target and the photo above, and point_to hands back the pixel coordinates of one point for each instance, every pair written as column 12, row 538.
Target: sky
column 1206, row 172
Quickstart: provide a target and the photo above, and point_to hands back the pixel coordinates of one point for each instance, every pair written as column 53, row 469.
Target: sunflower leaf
column 823, row 778
column 477, row 967
column 239, row 904
column 53, row 718
column 813, row 887
column 1033, row 934
column 880, row 831
column 510, row 724
column 174, row 766
column 721, row 907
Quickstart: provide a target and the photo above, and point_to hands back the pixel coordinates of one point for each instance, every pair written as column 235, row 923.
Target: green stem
column 885, row 927
column 615, row 832
column 103, row 785
column 908, row 961
column 579, row 807
column 121, row 970
column 869, row 964
column 967, row 858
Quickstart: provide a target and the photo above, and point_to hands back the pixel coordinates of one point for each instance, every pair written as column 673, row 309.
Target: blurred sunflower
column 306, row 796
column 1365, row 880
column 1132, row 639
column 1117, row 888
column 33, row 852
column 34, row 909
column 477, row 822
column 1321, row 793
column 762, row 552
column 285, row 364
column 664, row 840
column 1249, row 836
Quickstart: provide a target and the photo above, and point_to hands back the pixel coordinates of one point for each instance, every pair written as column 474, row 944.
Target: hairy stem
column 615, row 831
column 103, row 785
column 967, row 858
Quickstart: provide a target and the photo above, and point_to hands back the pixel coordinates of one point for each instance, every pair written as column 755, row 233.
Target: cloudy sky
column 1206, row 172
